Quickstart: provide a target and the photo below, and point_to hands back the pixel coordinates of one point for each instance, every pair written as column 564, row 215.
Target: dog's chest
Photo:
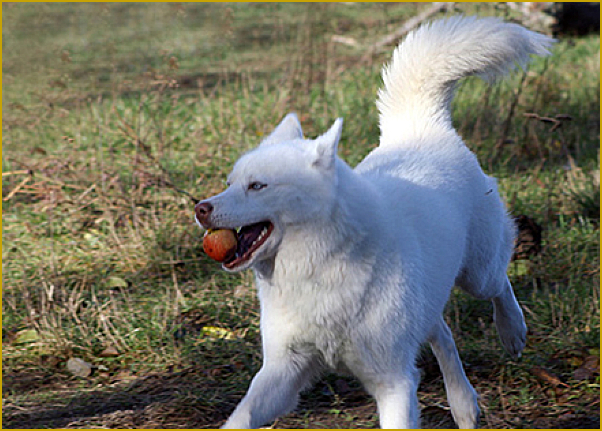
column 310, row 319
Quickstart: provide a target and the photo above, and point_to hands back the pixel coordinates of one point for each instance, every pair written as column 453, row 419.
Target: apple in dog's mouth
column 250, row 238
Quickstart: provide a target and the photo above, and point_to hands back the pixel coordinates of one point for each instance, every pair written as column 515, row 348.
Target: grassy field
column 116, row 117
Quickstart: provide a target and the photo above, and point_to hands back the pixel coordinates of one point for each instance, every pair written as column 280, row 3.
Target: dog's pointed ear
column 326, row 146
column 289, row 129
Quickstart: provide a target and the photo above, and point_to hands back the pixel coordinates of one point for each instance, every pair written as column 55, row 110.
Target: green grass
column 114, row 115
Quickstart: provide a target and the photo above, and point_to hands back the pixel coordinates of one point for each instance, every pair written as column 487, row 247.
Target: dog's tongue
column 247, row 235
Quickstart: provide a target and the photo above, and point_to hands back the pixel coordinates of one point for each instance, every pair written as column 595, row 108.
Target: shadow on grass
column 185, row 399
column 200, row 398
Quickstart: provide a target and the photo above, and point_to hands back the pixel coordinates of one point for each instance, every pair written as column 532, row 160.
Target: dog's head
column 286, row 182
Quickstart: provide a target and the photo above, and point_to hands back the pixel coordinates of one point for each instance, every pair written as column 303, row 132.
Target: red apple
column 220, row 244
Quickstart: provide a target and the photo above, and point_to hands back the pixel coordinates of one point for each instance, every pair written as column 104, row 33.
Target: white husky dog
column 354, row 266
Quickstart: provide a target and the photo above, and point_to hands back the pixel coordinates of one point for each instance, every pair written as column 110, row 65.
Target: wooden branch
column 20, row 172
column 16, row 189
column 407, row 26
column 344, row 40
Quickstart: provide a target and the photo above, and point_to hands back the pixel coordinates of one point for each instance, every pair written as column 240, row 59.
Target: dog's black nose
column 203, row 211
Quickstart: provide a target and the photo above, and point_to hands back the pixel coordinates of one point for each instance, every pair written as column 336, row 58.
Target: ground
column 117, row 118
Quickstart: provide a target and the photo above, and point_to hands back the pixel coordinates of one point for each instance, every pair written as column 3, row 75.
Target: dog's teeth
column 261, row 236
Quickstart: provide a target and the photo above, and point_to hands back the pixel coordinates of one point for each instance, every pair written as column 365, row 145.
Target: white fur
column 361, row 261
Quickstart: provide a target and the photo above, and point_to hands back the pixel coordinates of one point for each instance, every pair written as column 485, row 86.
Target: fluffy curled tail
column 419, row 82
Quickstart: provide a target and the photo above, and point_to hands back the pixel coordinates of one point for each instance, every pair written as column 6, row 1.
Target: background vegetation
column 117, row 116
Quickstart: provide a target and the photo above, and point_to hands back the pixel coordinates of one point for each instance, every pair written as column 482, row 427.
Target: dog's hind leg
column 507, row 314
column 461, row 395
column 484, row 277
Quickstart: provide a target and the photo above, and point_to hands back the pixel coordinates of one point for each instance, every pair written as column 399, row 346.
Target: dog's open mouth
column 250, row 238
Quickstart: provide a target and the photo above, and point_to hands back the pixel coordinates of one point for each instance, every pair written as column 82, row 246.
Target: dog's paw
column 514, row 341
column 465, row 409
column 510, row 325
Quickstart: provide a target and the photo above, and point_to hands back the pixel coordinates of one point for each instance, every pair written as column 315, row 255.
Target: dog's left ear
column 326, row 146
column 289, row 129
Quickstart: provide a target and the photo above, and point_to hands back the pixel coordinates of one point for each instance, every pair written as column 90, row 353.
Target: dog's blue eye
column 256, row 186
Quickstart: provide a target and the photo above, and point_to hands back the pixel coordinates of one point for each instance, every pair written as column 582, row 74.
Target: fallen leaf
column 547, row 376
column 26, row 336
column 123, row 375
column 216, row 333
column 109, row 352
column 590, row 367
column 114, row 282
column 39, row 150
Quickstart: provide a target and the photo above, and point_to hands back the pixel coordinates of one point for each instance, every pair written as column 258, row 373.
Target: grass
column 115, row 115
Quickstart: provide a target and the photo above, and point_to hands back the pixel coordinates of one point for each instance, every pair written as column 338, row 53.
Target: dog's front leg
column 397, row 400
column 273, row 392
column 461, row 395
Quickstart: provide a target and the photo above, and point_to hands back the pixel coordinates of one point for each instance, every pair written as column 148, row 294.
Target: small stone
column 78, row 367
